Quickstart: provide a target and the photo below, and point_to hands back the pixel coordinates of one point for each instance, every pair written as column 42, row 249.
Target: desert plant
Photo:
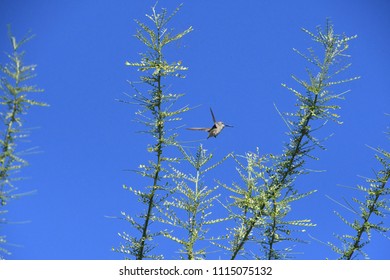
column 270, row 205
column 156, row 113
column 189, row 208
column 370, row 213
column 15, row 99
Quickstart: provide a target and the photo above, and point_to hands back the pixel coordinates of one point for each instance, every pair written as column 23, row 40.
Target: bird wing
column 212, row 114
column 199, row 128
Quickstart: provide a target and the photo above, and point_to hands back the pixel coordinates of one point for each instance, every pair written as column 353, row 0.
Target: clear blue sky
column 238, row 55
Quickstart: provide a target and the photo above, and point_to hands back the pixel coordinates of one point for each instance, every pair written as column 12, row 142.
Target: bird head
column 222, row 125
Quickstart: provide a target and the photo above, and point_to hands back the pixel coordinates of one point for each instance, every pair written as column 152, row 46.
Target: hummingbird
column 213, row 131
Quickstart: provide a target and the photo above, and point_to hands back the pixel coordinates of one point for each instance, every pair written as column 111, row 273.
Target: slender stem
column 5, row 159
column 290, row 166
column 355, row 246
column 193, row 232
column 252, row 223
column 159, row 151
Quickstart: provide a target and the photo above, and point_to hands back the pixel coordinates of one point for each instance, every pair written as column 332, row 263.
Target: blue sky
column 238, row 55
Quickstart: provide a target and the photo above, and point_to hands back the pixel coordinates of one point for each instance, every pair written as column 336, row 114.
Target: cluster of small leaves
column 276, row 190
column 155, row 113
column 375, row 203
column 189, row 207
column 15, row 102
column 316, row 103
column 259, row 219
column 245, row 202
column 155, row 103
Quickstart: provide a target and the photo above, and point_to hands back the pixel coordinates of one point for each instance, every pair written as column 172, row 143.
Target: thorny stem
column 5, row 158
column 154, row 63
column 16, row 104
column 289, row 170
column 290, row 166
column 193, row 231
column 6, row 146
column 356, row 245
column 303, row 132
column 159, row 150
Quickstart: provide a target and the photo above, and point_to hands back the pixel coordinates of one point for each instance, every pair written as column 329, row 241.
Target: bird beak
column 228, row 125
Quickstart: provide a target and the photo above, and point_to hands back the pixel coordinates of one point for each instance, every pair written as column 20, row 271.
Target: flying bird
column 213, row 131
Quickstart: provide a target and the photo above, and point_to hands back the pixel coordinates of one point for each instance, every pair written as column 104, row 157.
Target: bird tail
column 199, row 128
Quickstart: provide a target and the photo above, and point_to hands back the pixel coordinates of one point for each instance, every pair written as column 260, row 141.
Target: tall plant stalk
column 191, row 204
column 15, row 103
column 155, row 114
column 315, row 104
column 374, row 204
